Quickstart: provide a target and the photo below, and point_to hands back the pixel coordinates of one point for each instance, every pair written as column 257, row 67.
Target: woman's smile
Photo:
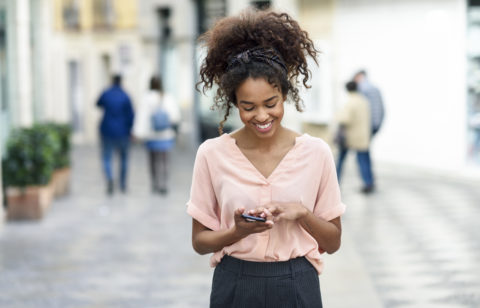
column 264, row 128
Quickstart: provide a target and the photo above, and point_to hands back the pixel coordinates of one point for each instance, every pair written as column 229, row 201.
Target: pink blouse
column 224, row 180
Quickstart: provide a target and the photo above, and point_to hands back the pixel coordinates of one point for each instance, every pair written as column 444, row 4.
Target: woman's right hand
column 205, row 240
column 244, row 228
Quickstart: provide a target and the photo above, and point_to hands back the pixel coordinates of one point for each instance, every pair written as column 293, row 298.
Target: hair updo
column 255, row 44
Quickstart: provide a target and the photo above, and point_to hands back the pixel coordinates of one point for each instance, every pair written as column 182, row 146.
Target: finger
column 275, row 210
column 265, row 213
column 268, row 215
column 256, row 211
column 238, row 212
column 268, row 223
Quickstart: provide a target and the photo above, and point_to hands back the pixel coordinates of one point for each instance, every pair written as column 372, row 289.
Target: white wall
column 414, row 51
column 22, row 95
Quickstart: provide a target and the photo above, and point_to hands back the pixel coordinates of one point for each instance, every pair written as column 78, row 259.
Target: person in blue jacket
column 115, row 129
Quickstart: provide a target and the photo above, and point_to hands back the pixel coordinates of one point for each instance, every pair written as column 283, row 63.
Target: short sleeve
column 328, row 204
column 203, row 205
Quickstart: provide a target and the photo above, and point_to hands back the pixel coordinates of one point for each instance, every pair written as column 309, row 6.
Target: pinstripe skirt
column 244, row 284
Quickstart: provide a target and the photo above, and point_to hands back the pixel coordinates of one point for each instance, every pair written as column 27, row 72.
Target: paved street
column 414, row 243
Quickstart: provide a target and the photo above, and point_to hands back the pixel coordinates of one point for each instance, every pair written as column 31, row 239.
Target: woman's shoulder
column 314, row 142
column 215, row 145
column 314, row 149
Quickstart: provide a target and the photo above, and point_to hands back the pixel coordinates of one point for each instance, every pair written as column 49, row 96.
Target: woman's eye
column 271, row 106
column 248, row 109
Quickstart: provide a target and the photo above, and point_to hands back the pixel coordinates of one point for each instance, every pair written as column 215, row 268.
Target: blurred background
column 57, row 56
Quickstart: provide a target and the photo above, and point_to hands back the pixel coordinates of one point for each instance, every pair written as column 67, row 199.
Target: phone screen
column 253, row 218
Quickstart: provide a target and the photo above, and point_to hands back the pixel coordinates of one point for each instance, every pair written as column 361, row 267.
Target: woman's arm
column 205, row 240
column 326, row 233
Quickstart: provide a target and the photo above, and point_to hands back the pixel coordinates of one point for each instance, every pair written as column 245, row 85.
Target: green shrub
column 30, row 156
column 64, row 132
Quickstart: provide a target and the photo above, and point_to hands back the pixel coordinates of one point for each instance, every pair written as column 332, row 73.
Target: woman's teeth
column 264, row 126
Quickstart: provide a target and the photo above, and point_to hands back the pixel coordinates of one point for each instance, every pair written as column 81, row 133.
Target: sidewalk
column 414, row 243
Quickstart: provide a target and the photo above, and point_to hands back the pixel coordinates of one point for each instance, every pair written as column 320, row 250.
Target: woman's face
column 260, row 105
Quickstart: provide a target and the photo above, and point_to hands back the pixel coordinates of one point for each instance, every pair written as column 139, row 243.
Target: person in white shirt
column 157, row 142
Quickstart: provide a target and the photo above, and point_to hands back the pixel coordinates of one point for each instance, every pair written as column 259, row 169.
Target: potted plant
column 27, row 170
column 61, row 173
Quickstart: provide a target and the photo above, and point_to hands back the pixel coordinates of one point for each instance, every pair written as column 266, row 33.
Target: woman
column 263, row 170
column 157, row 141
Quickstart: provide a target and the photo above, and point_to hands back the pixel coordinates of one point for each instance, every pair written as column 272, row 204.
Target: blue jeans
column 364, row 164
column 121, row 145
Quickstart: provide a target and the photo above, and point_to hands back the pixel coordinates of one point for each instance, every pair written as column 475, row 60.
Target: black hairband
column 260, row 54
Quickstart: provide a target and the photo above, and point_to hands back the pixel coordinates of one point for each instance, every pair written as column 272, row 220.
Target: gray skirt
column 237, row 283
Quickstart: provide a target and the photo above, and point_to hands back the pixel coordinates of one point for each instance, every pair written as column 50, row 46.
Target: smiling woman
column 262, row 170
column 260, row 106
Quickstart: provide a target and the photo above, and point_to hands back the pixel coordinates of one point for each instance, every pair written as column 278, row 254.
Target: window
column 261, row 5
column 209, row 11
column 103, row 14
column 71, row 14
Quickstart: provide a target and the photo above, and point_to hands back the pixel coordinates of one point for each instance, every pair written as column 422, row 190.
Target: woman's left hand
column 326, row 233
column 287, row 211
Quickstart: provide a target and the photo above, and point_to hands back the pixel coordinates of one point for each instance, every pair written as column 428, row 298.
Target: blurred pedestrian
column 374, row 97
column 377, row 113
column 354, row 134
column 157, row 117
column 262, row 170
column 115, row 129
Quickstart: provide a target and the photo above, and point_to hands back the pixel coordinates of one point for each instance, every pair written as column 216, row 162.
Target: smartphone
column 253, row 218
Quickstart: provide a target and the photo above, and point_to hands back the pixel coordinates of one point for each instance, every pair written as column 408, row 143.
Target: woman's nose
column 262, row 115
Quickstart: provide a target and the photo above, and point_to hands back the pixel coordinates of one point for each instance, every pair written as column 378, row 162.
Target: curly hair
column 227, row 64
